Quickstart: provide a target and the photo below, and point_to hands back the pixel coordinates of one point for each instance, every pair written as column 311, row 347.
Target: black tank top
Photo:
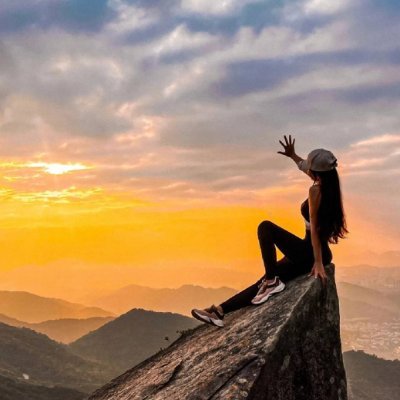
column 305, row 211
column 326, row 251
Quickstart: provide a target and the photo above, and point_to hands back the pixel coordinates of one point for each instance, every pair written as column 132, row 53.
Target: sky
column 139, row 138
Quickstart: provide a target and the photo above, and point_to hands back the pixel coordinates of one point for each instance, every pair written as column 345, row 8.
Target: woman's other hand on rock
column 318, row 270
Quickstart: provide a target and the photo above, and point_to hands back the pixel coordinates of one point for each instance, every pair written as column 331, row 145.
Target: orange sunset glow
column 61, row 236
column 129, row 155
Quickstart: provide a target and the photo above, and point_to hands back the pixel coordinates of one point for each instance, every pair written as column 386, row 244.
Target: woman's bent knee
column 264, row 226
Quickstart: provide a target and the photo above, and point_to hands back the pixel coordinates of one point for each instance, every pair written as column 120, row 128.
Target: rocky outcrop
column 286, row 349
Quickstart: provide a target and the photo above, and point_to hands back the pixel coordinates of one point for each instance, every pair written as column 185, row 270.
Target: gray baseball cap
column 318, row 160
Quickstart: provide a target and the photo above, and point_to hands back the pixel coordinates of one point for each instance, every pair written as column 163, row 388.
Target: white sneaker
column 210, row 315
column 267, row 290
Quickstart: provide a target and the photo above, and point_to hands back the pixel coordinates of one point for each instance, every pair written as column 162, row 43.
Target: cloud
column 49, row 196
column 210, row 7
column 157, row 92
column 71, row 15
column 389, row 139
column 325, row 6
column 369, row 169
column 375, row 155
column 256, row 75
column 387, row 92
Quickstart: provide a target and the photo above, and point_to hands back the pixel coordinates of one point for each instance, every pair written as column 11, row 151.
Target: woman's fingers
column 323, row 277
column 289, row 141
column 287, row 144
column 317, row 274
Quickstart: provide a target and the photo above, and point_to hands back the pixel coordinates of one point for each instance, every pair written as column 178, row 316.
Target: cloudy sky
column 145, row 132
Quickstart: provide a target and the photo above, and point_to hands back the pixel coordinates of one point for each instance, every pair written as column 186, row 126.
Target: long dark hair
column 331, row 217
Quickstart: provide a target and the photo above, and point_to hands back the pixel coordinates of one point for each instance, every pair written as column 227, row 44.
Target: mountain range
column 384, row 279
column 34, row 367
column 39, row 360
column 361, row 302
column 31, row 361
column 32, row 308
column 131, row 338
column 64, row 330
column 370, row 377
column 19, row 390
column 180, row 300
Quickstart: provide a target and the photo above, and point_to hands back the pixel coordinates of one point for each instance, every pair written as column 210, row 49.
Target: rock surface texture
column 285, row 349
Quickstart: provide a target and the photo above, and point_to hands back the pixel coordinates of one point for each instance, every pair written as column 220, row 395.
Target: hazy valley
column 53, row 348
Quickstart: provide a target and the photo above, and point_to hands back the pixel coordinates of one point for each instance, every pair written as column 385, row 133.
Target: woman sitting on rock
column 324, row 222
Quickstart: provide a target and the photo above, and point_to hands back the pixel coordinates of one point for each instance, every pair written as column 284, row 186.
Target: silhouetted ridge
column 131, row 338
column 19, row 390
column 46, row 362
column 370, row 377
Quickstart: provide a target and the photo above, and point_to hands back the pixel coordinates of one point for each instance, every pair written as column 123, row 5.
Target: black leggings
column 298, row 260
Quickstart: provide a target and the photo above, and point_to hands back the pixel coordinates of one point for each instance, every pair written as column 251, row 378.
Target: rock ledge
column 286, row 349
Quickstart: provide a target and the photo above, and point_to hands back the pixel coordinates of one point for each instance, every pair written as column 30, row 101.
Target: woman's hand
column 289, row 147
column 318, row 270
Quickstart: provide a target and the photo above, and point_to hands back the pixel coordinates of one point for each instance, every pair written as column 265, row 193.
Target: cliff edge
column 285, row 349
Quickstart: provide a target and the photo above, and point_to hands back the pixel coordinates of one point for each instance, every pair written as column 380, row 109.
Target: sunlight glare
column 58, row 168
